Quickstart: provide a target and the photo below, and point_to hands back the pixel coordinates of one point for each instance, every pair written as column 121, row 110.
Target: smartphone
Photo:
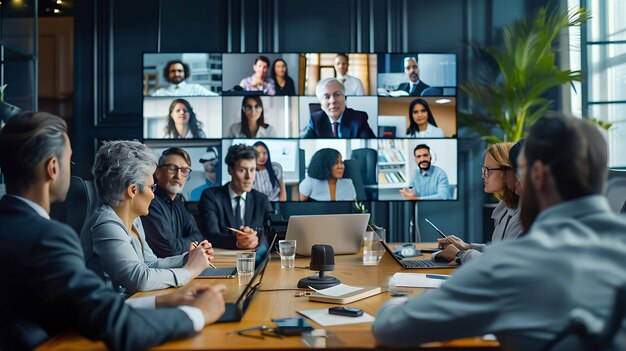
column 346, row 311
column 291, row 326
column 437, row 229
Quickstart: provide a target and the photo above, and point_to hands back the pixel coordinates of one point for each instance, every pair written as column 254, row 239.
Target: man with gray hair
column 47, row 286
column 335, row 120
column 414, row 86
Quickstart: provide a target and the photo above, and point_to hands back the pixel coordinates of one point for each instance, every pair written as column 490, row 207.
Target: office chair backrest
column 80, row 203
column 353, row 171
column 367, row 164
column 615, row 191
column 432, row 91
column 314, row 107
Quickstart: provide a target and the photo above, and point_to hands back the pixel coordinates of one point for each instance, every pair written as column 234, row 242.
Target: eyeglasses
column 248, row 108
column 486, row 170
column 173, row 169
column 152, row 187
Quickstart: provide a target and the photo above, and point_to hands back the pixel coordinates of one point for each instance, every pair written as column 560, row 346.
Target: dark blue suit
column 418, row 89
column 353, row 125
column 46, row 287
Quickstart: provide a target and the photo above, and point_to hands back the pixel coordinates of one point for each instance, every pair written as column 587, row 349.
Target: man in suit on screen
column 414, row 86
column 335, row 120
column 46, row 285
column 235, row 205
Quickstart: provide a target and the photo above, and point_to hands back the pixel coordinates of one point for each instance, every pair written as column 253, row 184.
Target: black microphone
column 322, row 259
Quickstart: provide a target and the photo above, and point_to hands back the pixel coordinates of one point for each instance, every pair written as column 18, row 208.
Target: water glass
column 245, row 263
column 372, row 249
column 287, row 250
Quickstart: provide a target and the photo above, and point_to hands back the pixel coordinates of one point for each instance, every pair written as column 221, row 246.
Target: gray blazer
column 123, row 261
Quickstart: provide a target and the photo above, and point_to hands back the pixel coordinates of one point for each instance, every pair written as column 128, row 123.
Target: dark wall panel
column 435, row 28
column 192, row 26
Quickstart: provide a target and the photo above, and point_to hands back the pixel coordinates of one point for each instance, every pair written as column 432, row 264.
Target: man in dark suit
column 46, row 285
column 335, row 120
column 236, row 204
column 415, row 86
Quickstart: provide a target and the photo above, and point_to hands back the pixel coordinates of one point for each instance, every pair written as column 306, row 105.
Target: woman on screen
column 325, row 180
column 498, row 168
column 252, row 123
column 422, row 122
column 113, row 239
column 182, row 122
column 283, row 83
column 269, row 175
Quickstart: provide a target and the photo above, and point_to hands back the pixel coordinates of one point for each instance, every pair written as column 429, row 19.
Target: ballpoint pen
column 237, row 231
column 195, row 245
column 437, row 276
column 437, row 229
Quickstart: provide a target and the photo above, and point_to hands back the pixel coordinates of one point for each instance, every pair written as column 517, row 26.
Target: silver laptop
column 416, row 264
column 344, row 232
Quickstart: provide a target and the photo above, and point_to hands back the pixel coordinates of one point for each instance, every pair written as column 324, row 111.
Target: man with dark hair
column 352, row 85
column 176, row 72
column 258, row 81
column 47, row 286
column 170, row 229
column 414, row 86
column 236, row 204
column 572, row 256
column 430, row 182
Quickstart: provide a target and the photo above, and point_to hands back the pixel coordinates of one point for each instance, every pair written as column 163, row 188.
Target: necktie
column 413, row 87
column 336, row 129
column 238, row 212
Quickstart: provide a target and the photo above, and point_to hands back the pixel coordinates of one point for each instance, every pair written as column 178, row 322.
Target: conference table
column 277, row 297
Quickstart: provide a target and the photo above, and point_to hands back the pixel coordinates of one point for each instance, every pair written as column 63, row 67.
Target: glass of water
column 287, row 250
column 245, row 263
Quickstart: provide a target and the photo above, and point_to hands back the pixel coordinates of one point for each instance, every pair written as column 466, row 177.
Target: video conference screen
column 328, row 126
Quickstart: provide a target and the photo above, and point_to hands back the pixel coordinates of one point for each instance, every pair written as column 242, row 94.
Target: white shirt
column 352, row 85
column 430, row 132
column 242, row 202
column 196, row 316
column 262, row 132
column 184, row 89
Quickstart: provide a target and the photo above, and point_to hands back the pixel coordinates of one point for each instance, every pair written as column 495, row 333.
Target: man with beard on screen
column 430, row 182
column 523, row 291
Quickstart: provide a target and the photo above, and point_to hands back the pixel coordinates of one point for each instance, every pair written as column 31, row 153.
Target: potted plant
column 525, row 69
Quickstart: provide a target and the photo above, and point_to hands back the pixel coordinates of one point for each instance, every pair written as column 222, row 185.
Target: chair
column 432, row 91
column 615, row 190
column 362, row 170
column 587, row 332
column 352, row 171
column 80, row 203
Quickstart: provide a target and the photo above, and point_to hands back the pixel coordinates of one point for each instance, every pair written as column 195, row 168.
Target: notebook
column 416, row 264
column 344, row 232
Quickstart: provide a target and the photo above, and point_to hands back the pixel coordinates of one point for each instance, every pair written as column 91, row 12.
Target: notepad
column 342, row 294
column 417, row 280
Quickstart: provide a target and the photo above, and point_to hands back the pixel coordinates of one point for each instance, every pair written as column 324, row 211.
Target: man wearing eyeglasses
column 170, row 228
column 335, row 120
column 430, row 182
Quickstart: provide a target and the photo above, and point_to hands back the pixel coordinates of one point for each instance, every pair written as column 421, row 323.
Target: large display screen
column 330, row 126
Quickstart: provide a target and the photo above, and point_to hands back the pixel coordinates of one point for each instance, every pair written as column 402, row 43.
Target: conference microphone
column 322, row 260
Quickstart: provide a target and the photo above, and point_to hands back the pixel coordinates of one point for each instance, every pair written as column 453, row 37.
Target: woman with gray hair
column 113, row 239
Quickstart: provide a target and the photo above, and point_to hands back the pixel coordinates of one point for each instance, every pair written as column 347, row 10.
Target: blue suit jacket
column 47, row 287
column 353, row 125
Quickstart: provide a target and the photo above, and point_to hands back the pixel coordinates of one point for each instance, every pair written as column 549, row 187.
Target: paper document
column 418, row 280
column 325, row 319
column 337, row 290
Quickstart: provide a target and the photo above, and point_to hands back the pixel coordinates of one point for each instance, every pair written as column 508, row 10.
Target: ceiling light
column 57, row 11
column 59, row 2
column 443, row 101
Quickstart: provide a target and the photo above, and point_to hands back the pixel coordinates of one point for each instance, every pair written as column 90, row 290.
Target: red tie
column 335, row 129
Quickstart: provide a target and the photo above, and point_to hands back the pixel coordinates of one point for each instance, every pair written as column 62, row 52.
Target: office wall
column 110, row 37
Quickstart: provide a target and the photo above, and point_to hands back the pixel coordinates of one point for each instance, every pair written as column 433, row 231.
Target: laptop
column 235, row 310
column 344, row 232
column 416, row 264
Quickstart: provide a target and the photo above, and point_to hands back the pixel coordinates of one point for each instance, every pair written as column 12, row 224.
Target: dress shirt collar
column 180, row 85
column 233, row 194
column 578, row 208
column 338, row 120
column 162, row 194
column 35, row 206
column 414, row 83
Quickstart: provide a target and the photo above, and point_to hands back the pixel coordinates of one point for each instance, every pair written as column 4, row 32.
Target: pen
column 437, row 276
column 247, row 329
column 437, row 229
column 195, row 245
column 237, row 231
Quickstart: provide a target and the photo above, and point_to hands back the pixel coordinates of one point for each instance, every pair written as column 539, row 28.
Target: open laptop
column 344, row 232
column 235, row 310
column 416, row 264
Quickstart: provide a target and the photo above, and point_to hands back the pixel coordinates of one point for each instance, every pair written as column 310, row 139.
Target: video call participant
column 422, row 122
column 113, row 238
column 182, row 122
column 236, row 204
column 414, row 86
column 258, row 81
column 252, row 123
column 497, row 169
column 325, row 180
column 53, row 290
column 175, row 72
column 210, row 165
column 429, row 182
column 170, row 228
column 524, row 290
column 269, row 175
column 335, row 120
column 352, row 85
column 283, row 83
